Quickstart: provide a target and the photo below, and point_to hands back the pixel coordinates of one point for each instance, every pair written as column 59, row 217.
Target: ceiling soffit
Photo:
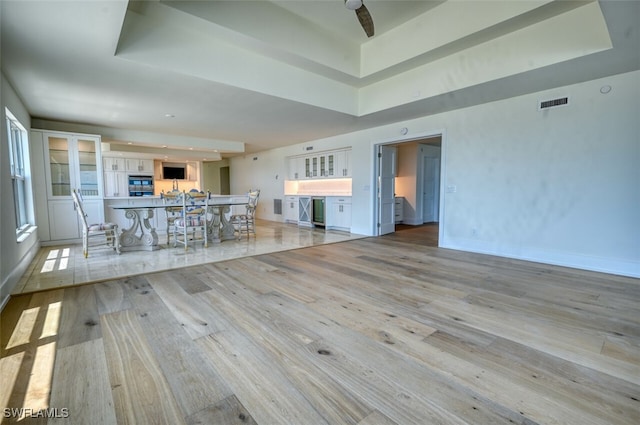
column 294, row 57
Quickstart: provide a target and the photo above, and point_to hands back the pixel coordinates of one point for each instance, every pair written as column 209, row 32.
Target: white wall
column 14, row 257
column 559, row 186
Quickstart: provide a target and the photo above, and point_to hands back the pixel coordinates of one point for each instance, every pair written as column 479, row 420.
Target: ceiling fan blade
column 365, row 20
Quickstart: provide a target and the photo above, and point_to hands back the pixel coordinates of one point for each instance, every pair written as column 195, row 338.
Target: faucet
column 175, row 185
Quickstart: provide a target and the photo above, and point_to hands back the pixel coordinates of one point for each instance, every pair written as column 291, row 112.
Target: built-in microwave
column 140, row 185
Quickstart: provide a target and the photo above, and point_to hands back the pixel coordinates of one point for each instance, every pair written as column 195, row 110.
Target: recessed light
column 605, row 89
column 169, row 115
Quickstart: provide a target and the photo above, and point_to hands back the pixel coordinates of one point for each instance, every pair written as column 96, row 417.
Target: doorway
column 225, row 181
column 415, row 181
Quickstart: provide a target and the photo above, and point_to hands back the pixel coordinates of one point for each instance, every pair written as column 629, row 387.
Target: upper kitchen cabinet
column 74, row 162
column 192, row 171
column 343, row 163
column 114, row 164
column 321, row 165
column 296, row 168
column 327, row 164
column 140, row 165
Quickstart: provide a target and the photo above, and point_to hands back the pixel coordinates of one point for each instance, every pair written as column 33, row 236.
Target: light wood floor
column 385, row 330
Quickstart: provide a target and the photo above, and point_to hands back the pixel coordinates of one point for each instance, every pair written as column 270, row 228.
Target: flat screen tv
column 170, row 172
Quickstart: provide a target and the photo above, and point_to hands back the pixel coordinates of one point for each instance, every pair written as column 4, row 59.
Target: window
column 20, row 175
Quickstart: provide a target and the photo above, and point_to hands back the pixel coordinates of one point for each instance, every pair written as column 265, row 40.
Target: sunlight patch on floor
column 23, row 330
column 39, row 388
column 61, row 257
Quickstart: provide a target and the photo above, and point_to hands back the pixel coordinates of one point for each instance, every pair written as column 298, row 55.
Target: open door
column 430, row 183
column 386, row 189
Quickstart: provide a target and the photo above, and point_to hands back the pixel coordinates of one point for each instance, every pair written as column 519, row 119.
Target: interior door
column 430, row 189
column 386, row 189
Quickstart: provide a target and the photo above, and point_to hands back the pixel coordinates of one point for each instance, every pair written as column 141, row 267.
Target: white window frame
column 19, row 164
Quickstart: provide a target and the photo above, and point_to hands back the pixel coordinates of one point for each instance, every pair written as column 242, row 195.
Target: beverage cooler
column 140, row 185
column 318, row 211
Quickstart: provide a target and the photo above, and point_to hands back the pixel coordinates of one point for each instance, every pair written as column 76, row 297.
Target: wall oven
column 318, row 212
column 140, row 185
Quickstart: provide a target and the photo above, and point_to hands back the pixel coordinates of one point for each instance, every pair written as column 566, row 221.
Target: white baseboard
column 615, row 266
column 14, row 277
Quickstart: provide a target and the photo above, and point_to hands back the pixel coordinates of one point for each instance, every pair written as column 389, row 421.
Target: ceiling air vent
column 553, row 103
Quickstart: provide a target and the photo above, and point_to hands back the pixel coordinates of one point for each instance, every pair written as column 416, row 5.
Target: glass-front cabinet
column 322, row 165
column 73, row 164
column 71, row 161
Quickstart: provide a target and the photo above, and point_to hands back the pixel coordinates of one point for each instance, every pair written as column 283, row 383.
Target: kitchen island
column 139, row 232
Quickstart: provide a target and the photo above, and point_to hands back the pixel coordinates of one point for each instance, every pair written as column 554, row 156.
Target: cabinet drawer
column 343, row 200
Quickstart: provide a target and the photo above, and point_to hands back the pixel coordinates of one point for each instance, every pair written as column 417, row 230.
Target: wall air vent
column 553, row 103
column 277, row 206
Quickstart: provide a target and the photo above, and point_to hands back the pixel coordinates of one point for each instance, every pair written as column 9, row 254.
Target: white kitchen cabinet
column 146, row 166
column 311, row 170
column 73, row 161
column 304, row 211
column 296, row 168
column 343, row 163
column 116, row 184
column 139, row 165
column 327, row 164
column 322, row 165
column 399, row 209
column 64, row 220
column 291, row 209
column 338, row 213
column 114, row 164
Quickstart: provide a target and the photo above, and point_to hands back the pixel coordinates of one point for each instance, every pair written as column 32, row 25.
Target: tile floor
column 60, row 266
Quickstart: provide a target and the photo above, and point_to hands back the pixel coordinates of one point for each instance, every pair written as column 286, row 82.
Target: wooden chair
column 246, row 223
column 173, row 208
column 108, row 231
column 192, row 225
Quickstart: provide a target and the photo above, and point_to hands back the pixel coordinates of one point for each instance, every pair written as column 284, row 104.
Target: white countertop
column 319, row 194
column 122, row 198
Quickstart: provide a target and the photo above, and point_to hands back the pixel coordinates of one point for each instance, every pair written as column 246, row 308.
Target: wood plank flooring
column 387, row 330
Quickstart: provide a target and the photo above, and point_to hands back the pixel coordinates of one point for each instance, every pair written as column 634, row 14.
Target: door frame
column 376, row 172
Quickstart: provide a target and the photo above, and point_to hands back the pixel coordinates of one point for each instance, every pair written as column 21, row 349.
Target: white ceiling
column 245, row 76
